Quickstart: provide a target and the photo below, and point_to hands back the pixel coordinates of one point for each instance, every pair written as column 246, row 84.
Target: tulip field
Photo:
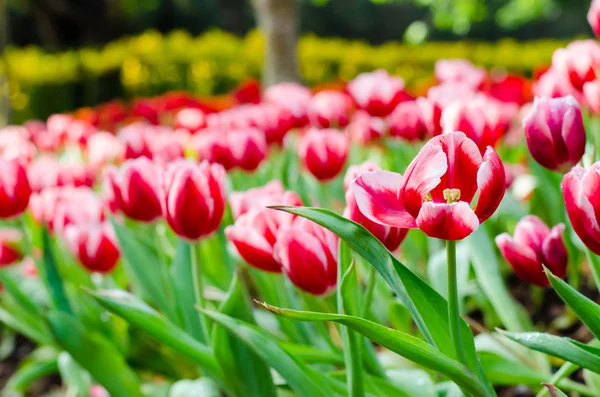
column 357, row 239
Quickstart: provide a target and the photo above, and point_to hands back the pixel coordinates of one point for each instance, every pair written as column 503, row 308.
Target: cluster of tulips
column 166, row 225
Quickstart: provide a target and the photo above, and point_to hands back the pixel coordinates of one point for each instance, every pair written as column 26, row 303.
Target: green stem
column 453, row 307
column 199, row 290
column 369, row 292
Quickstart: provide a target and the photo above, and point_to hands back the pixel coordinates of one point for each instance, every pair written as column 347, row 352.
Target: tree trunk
column 278, row 20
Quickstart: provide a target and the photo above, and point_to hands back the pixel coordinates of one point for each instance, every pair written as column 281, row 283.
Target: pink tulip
column 104, row 148
column 554, row 84
column 78, row 132
column 324, row 152
column 248, row 148
column 438, row 97
column 579, row 61
column 408, row 122
column 307, row 254
column 364, row 129
column 136, row 137
column 593, row 17
column 193, row 198
column 57, row 126
column 94, row 246
column 459, row 71
column 14, row 188
column 377, row 92
column 581, row 191
column 355, row 170
column 47, row 171
column 213, row 146
column 273, row 193
column 555, row 133
column 136, row 189
column 534, row 246
column 294, row 98
column 191, row 120
column 330, row 109
column 436, row 190
column 591, row 93
column 15, row 146
column 167, row 145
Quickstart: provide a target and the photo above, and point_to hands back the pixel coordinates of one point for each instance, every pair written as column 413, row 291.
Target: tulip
column 136, row 189
column 389, row 236
column 273, row 120
column 510, row 89
column 47, row 171
column 294, row 98
column 248, row 147
column 254, row 235
column 193, row 198
column 364, row 129
column 579, row 61
column 377, row 92
column 407, row 121
column 191, row 120
column 581, row 188
column 94, row 246
column 591, row 92
column 104, row 148
column 436, row 190
column 9, row 251
column 14, row 188
column 324, row 152
column 554, row 84
column 459, row 71
column 78, row 132
column 593, row 17
column 355, row 170
column 438, row 97
column 307, row 254
column 167, row 145
column 273, row 193
column 247, row 92
column 57, row 126
column 555, row 133
column 213, row 146
column 330, row 109
column 136, row 137
column 14, row 145
column 532, row 247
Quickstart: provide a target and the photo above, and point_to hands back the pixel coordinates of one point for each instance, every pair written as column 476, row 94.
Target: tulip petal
column 253, row 248
column 554, row 251
column 491, row 182
column 522, row 259
column 453, row 221
column 376, row 194
column 532, row 232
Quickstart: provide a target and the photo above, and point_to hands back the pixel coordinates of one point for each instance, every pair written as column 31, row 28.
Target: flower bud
column 324, row 152
column 14, row 188
column 533, row 246
column 330, row 109
column 555, row 133
column 94, row 246
column 273, row 193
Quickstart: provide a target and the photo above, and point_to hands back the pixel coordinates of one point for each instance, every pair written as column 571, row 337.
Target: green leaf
column 305, row 381
column 52, row 278
column 138, row 264
column 313, row 355
column 586, row 310
column 97, row 355
column 405, row 345
column 181, row 275
column 248, row 374
column 140, row 315
column 428, row 308
column 22, row 379
column 73, row 376
column 505, row 372
column 23, row 323
column 556, row 346
column 11, row 284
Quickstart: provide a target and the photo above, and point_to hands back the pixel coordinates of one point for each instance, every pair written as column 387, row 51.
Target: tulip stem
column 453, row 307
column 369, row 292
column 199, row 290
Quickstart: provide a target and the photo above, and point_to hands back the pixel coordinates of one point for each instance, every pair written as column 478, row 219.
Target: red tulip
column 533, row 246
column 9, row 251
column 324, row 152
column 94, row 246
column 407, row 121
column 438, row 97
column 579, row 61
column 593, row 17
column 294, row 98
column 555, row 133
column 307, row 254
column 14, row 188
column 377, row 92
column 591, row 92
column 364, row 129
column 191, row 120
column 213, row 146
column 254, row 234
column 510, row 89
column 581, row 190
column 136, row 137
column 247, row 92
column 273, row 193
column 104, row 148
column 194, row 198
column 248, row 147
column 436, row 190
column 330, row 109
column 459, row 71
column 136, row 189
column 355, row 170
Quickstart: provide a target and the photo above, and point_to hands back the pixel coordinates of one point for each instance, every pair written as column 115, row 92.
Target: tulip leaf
column 95, row 354
column 427, row 307
column 502, row 371
column 564, row 348
column 51, row 276
column 586, row 310
column 405, row 345
column 22, row 379
column 140, row 315
column 142, row 269
column 24, row 323
column 247, row 372
column 305, row 381
column 313, row 355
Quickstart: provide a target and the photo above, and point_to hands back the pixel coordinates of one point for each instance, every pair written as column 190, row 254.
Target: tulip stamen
column 451, row 195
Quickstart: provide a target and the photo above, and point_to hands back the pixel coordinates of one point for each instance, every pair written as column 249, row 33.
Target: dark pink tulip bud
column 93, row 245
column 407, row 121
column 579, row 61
column 307, row 254
column 136, row 189
column 14, row 188
column 389, row 236
column 324, row 152
column 273, row 193
column 555, row 133
column 532, row 247
column 248, row 148
column 377, row 92
column 191, row 120
column 330, row 109
column 593, row 17
column 460, row 71
column 294, row 98
column 104, row 148
column 355, row 170
column 254, row 234
column 9, row 250
column 591, row 93
column 194, row 198
column 364, row 129
column 136, row 137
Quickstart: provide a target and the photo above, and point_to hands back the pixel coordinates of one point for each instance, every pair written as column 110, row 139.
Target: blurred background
column 60, row 55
